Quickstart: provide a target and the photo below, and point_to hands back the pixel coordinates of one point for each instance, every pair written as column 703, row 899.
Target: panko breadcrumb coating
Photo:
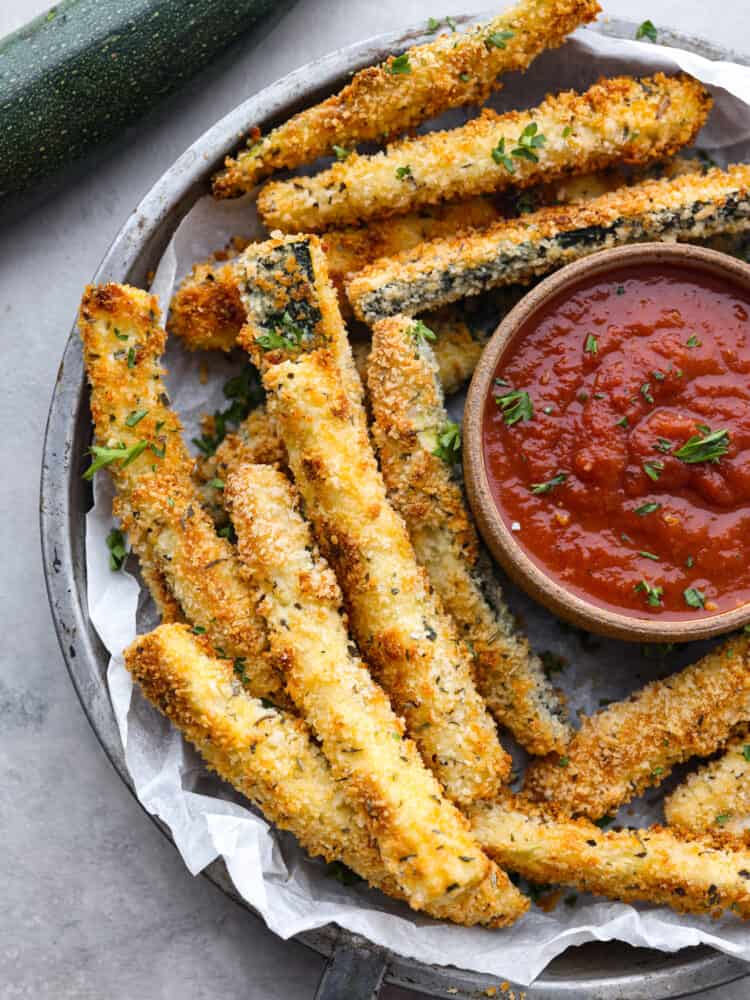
column 717, row 795
column 707, row 874
column 618, row 120
column 424, row 841
column 157, row 502
column 632, row 745
column 399, row 623
column 688, row 208
column 418, row 446
column 450, row 72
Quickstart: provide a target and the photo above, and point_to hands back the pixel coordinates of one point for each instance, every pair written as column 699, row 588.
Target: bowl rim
column 529, row 575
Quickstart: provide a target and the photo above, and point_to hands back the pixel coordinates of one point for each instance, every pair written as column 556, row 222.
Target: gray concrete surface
column 95, row 903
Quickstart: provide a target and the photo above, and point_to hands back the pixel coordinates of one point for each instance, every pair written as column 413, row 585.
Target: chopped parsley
column 529, row 140
column 286, row 336
column 592, row 345
column 653, row 469
column 216, row 484
column 568, row 130
column 449, row 443
column 421, row 333
column 708, row 447
column 451, row 23
column 525, row 203
column 131, row 357
column 106, row 456
column 516, row 406
column 497, row 39
column 563, row 762
column 239, row 665
column 464, row 77
column 723, row 818
column 646, row 392
column 653, row 594
column 198, row 630
column 664, row 445
column 746, row 752
column 622, row 422
column 693, row 341
column 620, row 290
column 118, row 553
column 400, row 65
column 647, row 508
column 135, row 417
column 227, row 531
column 433, row 24
column 694, row 598
column 501, row 157
column 648, row 555
column 646, row 30
column 604, row 822
column 403, row 172
column 245, row 392
column 557, row 480
column 690, row 562
column 341, row 152
column 121, row 336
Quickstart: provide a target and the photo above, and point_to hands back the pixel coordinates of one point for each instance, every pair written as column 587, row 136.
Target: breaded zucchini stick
column 717, row 796
column 268, row 756
column 452, row 71
column 618, row 120
column 139, row 440
column 631, row 745
column 424, row 841
column 418, row 446
column 264, row 753
column 705, row 874
column 399, row 623
column 688, row 208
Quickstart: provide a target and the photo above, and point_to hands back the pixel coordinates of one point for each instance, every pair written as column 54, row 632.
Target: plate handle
column 355, row 971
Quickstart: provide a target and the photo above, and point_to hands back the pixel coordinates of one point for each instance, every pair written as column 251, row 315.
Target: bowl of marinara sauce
column 607, row 443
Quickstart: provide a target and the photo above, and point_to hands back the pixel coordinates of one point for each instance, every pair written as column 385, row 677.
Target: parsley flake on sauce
column 653, row 469
column 516, row 406
column 547, row 487
column 694, row 598
column 592, row 345
column 653, row 594
column 708, row 447
column 647, row 508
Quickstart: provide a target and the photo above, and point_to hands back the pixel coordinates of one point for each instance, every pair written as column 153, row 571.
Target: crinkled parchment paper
column 207, row 819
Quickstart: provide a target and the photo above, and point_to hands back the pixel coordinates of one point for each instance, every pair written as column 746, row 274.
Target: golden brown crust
column 689, row 208
column 617, row 120
column 423, row 839
column 691, row 875
column 632, row 745
column 264, row 753
column 449, row 72
column 409, row 417
column 717, row 796
column 157, row 502
column 399, row 623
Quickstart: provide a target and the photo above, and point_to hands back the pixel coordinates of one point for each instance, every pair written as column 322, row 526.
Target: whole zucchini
column 73, row 77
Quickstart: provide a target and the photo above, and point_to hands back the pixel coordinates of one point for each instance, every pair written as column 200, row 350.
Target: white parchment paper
column 208, row 820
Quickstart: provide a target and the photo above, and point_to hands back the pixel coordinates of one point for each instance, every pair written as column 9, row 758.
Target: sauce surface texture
column 617, row 441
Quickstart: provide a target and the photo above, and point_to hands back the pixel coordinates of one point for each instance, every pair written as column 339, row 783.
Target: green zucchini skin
column 72, row 78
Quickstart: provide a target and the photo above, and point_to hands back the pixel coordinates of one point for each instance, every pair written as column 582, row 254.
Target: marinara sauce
column 617, row 441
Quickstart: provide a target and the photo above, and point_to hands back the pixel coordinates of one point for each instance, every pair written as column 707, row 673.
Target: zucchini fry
column 418, row 445
column 399, row 623
column 424, row 841
column 688, row 208
column 705, row 874
column 449, row 72
column 619, row 120
column 264, row 753
column 139, row 439
column 717, row 796
column 632, row 745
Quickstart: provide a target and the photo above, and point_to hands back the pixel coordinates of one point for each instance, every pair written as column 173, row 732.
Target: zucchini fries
column 401, row 628
column 619, row 120
column 717, row 796
column 634, row 744
column 418, row 445
column 691, row 875
column 452, row 71
column 688, row 208
column 139, row 440
column 423, row 839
